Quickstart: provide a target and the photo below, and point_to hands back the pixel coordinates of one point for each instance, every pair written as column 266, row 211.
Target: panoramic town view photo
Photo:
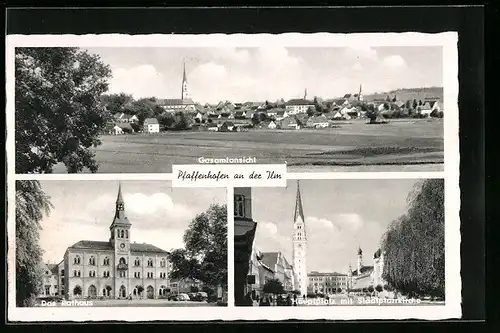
column 143, row 109
column 340, row 242
column 110, row 243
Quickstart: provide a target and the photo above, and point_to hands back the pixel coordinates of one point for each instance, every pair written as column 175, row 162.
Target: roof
column 175, row 101
column 151, row 121
column 281, row 113
column 318, row 119
column 347, row 96
column 228, row 123
column 288, row 121
column 299, row 101
column 53, row 268
column 98, row 245
column 314, row 273
column 243, row 227
column 340, row 101
column 125, row 126
column 377, row 254
column 364, row 270
column 270, row 259
column 145, row 247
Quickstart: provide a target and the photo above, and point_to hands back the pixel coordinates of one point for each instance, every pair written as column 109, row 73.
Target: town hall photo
column 120, row 243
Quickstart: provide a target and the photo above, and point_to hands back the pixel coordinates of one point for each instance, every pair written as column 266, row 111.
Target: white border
column 452, row 307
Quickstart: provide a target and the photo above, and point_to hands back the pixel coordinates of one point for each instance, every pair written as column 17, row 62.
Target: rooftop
column 99, row 245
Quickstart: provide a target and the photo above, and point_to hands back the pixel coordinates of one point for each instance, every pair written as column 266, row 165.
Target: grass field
column 401, row 145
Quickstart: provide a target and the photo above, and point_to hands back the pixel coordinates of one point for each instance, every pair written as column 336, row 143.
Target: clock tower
column 120, row 240
column 299, row 245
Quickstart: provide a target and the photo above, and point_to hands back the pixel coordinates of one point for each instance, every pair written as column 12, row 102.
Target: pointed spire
column 119, row 198
column 184, row 77
column 299, row 212
column 360, row 252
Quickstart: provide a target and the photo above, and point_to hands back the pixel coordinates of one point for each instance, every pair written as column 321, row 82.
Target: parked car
column 173, row 298
column 192, row 296
column 201, row 296
column 183, row 297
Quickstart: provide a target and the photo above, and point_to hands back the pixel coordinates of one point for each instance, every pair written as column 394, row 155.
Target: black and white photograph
column 341, row 242
column 143, row 109
column 120, row 244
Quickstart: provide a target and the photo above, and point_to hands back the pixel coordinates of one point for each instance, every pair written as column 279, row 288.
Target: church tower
column 360, row 94
column 185, row 95
column 360, row 260
column 300, row 245
column 120, row 240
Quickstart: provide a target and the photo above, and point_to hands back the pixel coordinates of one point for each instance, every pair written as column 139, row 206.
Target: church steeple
column 185, row 95
column 120, row 226
column 299, row 211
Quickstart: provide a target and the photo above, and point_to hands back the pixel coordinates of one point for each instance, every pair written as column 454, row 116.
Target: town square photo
column 340, row 242
column 111, row 243
column 144, row 109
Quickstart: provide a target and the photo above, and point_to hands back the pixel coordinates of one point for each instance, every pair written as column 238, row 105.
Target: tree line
column 414, row 244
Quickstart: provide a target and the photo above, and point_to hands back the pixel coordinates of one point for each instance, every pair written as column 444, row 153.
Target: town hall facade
column 117, row 268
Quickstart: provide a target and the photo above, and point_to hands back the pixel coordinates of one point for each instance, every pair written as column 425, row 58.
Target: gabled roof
column 318, row 119
column 270, row 259
column 125, row 126
column 364, row 270
column 377, row 254
column 175, row 101
column 151, row 121
column 53, row 268
column 145, row 247
column 92, row 245
column 288, row 121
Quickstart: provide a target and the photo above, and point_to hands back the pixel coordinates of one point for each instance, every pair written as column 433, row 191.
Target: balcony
column 122, row 267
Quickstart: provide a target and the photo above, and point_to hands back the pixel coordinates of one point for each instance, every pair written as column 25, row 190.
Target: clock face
column 122, row 245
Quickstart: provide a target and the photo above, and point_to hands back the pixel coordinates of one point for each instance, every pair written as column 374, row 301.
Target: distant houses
column 151, row 125
column 295, row 106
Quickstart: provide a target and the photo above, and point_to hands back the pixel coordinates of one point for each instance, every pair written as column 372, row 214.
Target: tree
column 58, row 112
column 415, row 104
column 420, row 102
column 166, row 119
column 31, row 205
column 143, row 108
column 379, row 288
column 370, row 289
column 414, row 243
column 273, row 286
column 117, row 103
column 372, row 113
column 311, row 111
column 194, row 289
column 205, row 255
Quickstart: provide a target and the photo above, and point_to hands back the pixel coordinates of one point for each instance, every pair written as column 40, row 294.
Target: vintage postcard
column 313, row 174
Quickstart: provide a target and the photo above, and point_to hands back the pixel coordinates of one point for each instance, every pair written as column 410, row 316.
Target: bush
column 379, row 288
column 370, row 289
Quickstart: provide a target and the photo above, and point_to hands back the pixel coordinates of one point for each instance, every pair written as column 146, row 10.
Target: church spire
column 120, row 217
column 184, row 78
column 299, row 212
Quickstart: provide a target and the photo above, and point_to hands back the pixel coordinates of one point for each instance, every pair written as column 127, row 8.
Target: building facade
column 327, row 283
column 151, row 125
column 367, row 275
column 295, row 106
column 116, row 268
column 299, row 245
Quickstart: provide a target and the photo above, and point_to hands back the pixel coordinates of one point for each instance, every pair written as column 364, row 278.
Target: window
column 62, row 272
column 122, row 261
column 150, row 262
column 92, row 273
column 163, row 275
column 137, row 262
column 122, row 234
column 137, row 275
column 76, row 261
column 123, row 274
column 91, row 260
column 162, row 263
column 126, row 233
column 106, row 261
column 239, row 205
column 150, row 275
column 106, row 274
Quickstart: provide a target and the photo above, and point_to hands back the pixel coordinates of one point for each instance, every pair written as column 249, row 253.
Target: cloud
column 361, row 52
column 140, row 81
column 394, row 61
column 144, row 211
column 357, row 67
column 232, row 54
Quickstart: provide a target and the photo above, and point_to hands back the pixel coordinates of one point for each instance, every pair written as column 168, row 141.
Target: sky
column 84, row 210
column 340, row 216
column 259, row 74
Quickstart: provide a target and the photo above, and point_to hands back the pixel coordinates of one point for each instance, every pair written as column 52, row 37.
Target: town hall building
column 117, row 268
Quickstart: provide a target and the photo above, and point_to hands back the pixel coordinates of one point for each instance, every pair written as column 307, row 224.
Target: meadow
column 400, row 145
